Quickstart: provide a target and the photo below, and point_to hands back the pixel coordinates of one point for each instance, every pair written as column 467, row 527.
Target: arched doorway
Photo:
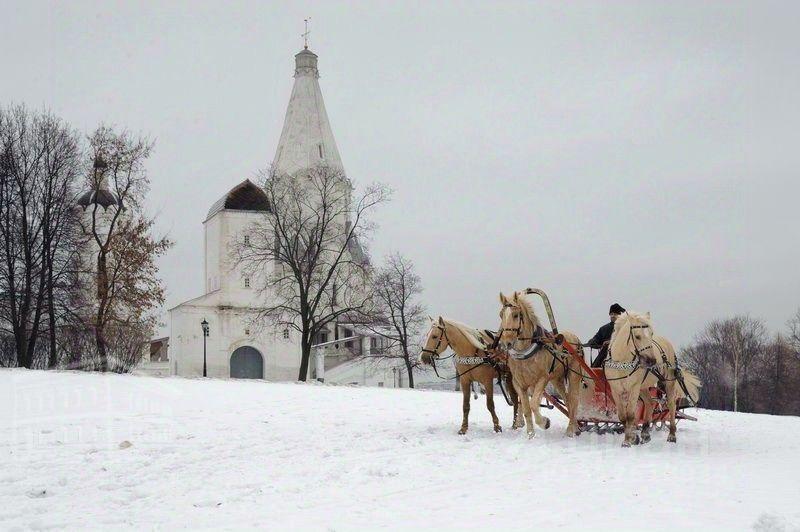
column 247, row 363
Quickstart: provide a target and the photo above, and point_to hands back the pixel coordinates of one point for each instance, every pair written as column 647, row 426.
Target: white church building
column 234, row 347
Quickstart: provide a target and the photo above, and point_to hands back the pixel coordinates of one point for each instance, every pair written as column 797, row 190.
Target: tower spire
column 305, row 34
column 306, row 139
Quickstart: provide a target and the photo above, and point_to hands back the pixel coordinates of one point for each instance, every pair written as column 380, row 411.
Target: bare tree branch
column 307, row 253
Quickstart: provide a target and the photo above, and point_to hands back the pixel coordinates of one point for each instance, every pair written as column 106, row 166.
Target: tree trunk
column 21, row 339
column 51, row 316
column 776, row 402
column 736, row 384
column 410, row 371
column 100, row 342
column 102, row 295
column 305, row 357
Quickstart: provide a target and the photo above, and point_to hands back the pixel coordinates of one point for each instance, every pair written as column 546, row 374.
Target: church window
column 286, row 334
column 246, row 240
column 247, row 332
column 247, row 282
column 375, row 345
column 321, row 152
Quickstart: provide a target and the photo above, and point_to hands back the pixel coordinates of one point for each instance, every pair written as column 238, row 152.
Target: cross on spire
column 306, row 34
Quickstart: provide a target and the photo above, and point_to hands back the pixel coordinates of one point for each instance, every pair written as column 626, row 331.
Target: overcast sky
column 645, row 153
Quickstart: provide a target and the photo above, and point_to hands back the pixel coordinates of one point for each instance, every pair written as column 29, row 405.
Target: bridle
column 434, row 353
column 516, row 330
column 634, row 363
column 631, row 340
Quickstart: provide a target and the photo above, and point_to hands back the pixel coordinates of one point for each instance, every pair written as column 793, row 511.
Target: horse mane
column 629, row 315
column 471, row 334
column 527, row 309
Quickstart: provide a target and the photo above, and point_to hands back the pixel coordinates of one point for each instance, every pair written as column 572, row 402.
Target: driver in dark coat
column 603, row 336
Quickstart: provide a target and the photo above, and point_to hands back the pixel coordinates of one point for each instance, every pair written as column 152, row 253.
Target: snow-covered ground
column 97, row 451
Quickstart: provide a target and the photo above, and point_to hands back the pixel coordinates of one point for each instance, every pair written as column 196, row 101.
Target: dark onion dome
column 103, row 197
column 246, row 196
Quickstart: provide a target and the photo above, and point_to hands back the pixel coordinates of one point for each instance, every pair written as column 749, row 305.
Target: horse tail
column 692, row 384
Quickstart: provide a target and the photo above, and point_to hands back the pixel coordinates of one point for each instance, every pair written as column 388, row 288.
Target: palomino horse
column 534, row 364
column 472, row 350
column 633, row 366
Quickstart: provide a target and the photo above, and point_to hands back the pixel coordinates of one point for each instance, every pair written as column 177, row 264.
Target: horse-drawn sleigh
column 640, row 384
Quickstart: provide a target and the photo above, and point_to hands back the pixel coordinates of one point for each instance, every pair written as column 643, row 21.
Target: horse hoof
column 546, row 423
column 626, row 444
column 645, row 437
column 462, row 432
column 636, row 440
column 498, row 428
column 671, row 438
column 531, row 435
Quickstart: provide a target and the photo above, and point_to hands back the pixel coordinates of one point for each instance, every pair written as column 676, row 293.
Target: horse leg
column 538, row 391
column 627, row 415
column 647, row 414
column 526, row 409
column 489, row 387
column 564, row 393
column 672, row 392
column 573, row 397
column 512, row 394
column 465, row 390
column 622, row 414
column 633, row 403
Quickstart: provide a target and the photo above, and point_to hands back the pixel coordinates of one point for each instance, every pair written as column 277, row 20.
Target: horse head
column 513, row 320
column 435, row 341
column 633, row 334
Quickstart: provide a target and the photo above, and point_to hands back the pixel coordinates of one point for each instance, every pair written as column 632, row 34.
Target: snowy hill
column 99, row 451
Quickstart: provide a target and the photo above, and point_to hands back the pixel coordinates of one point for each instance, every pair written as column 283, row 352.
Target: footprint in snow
column 207, row 504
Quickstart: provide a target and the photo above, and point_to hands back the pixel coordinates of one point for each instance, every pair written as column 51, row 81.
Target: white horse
column 637, row 358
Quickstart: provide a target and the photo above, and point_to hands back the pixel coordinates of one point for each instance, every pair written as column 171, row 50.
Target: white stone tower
column 96, row 206
column 306, row 139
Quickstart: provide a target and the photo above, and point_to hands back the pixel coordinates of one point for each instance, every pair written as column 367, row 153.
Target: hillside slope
column 233, row 454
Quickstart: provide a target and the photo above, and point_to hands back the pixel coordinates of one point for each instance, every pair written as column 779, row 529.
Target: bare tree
column 794, row 332
column 396, row 315
column 39, row 163
column 778, row 379
column 120, row 235
column 307, row 252
column 724, row 352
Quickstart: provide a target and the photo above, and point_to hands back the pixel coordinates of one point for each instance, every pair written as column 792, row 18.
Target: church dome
column 246, row 196
column 104, row 198
column 100, row 195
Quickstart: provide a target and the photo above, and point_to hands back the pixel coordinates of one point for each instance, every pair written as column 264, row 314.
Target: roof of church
column 246, row 196
column 306, row 139
column 99, row 193
column 103, row 197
